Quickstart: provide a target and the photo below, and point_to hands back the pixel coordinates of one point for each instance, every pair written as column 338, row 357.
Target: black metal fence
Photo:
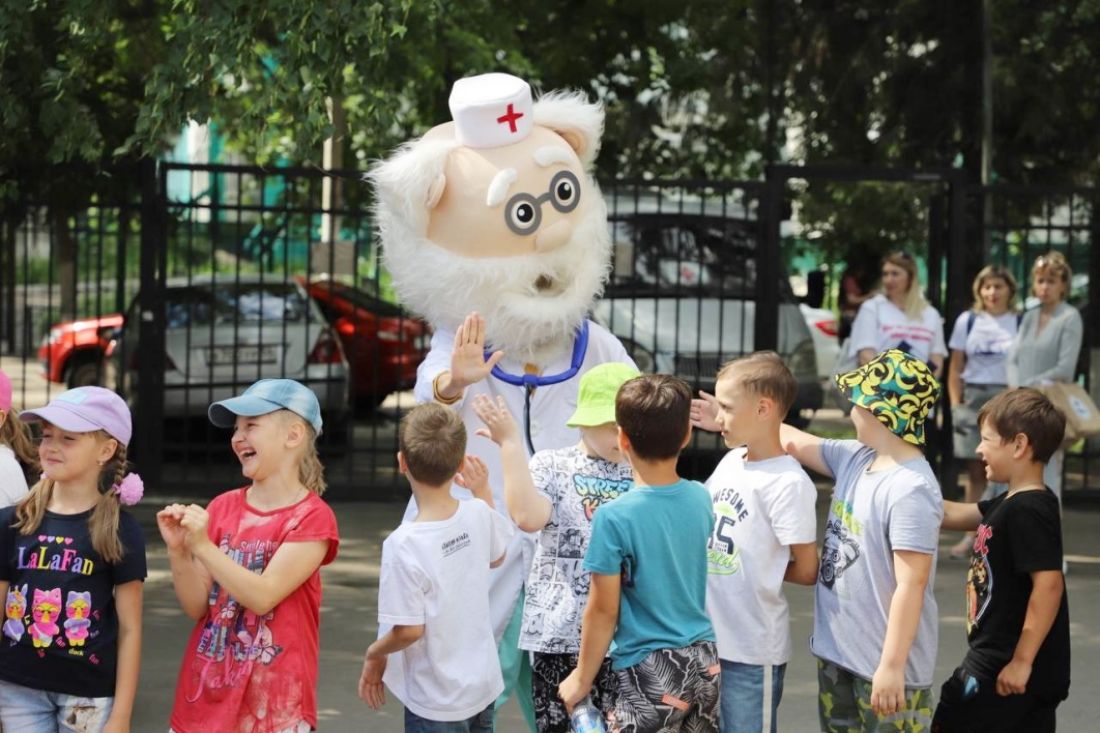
column 221, row 275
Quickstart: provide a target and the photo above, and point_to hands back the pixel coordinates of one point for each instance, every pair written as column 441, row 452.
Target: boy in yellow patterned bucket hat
column 875, row 617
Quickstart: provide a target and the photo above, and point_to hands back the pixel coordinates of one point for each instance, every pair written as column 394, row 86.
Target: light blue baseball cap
column 269, row 395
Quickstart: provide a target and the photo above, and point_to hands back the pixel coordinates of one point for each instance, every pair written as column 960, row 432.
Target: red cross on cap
column 491, row 110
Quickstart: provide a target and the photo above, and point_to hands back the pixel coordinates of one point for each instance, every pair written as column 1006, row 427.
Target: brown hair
column 654, row 412
column 432, row 439
column 15, row 434
column 1028, row 411
column 311, row 472
column 102, row 524
column 765, row 374
column 1053, row 263
column 993, row 272
column 914, row 296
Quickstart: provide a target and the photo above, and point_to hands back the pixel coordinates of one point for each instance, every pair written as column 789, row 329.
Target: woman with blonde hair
column 899, row 317
column 1048, row 342
column 980, row 342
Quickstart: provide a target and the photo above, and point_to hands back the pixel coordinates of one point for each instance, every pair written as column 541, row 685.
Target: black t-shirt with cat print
column 60, row 631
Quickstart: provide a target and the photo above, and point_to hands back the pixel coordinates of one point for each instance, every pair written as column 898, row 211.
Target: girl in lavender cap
column 72, row 565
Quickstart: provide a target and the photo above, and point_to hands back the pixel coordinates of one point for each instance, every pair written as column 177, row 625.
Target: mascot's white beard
column 532, row 303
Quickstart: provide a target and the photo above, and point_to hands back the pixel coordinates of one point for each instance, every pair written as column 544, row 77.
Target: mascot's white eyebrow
column 498, row 189
column 548, row 155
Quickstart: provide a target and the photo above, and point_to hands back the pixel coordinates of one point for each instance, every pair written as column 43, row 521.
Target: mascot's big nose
column 553, row 236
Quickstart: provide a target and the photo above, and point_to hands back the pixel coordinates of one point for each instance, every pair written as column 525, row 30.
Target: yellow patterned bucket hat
column 897, row 388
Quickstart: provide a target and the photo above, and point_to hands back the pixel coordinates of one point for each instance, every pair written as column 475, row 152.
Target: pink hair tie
column 130, row 489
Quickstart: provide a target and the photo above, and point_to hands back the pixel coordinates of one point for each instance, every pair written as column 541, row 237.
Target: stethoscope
column 530, row 381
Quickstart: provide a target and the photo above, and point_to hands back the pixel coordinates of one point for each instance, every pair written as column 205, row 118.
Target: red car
column 72, row 352
column 383, row 345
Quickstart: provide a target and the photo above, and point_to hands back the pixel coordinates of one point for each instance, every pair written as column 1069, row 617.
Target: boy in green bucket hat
column 875, row 617
column 556, row 495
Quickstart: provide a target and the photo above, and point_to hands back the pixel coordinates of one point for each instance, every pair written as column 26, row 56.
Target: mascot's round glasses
column 523, row 213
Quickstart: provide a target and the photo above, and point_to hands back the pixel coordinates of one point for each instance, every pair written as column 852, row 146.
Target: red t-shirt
column 243, row 673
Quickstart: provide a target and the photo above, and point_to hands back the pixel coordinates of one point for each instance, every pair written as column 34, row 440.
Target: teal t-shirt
column 656, row 538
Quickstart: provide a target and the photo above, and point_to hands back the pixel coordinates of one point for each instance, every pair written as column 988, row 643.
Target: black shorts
column 971, row 705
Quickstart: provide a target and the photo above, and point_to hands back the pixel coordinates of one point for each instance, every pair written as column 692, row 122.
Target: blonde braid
column 104, row 522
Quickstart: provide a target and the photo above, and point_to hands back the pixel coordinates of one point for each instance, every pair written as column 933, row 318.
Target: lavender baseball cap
column 85, row 409
column 5, row 392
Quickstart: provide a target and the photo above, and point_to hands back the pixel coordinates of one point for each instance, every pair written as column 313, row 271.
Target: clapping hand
column 468, row 362
column 704, row 412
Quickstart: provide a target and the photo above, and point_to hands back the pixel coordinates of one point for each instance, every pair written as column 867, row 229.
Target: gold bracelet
column 440, row 398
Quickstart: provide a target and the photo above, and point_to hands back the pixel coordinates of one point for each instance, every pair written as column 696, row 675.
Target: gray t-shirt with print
column 557, row 588
column 871, row 515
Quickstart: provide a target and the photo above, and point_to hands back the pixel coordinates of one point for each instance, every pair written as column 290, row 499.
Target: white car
column 682, row 300
column 223, row 334
column 823, row 327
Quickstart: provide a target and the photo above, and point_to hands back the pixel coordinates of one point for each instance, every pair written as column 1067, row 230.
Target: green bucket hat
column 897, row 388
column 596, row 396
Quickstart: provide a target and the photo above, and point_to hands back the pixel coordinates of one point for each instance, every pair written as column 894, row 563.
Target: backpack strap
column 970, row 318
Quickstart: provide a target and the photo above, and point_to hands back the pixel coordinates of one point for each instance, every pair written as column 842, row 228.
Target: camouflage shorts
column 844, row 705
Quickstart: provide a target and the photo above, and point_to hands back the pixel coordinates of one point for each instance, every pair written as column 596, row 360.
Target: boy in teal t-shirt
column 648, row 560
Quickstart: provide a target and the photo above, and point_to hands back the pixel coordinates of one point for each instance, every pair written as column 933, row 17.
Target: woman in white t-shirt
column 17, row 451
column 899, row 317
column 980, row 342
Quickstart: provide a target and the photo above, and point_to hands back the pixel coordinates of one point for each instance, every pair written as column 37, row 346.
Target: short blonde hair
column 765, row 374
column 1053, row 263
column 993, row 272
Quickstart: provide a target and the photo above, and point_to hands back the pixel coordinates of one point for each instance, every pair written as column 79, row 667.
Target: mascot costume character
column 495, row 232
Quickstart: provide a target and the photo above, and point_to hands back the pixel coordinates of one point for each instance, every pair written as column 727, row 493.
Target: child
column 648, row 560
column 875, row 624
column 1017, row 669
column 247, row 569
column 765, row 533
column 17, row 453
column 72, row 566
column 558, row 497
column 434, row 586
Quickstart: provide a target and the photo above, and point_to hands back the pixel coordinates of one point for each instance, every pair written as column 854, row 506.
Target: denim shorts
column 480, row 723
column 27, row 709
column 750, row 697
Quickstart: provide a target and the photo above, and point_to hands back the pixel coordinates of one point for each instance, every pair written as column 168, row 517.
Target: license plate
column 226, row 355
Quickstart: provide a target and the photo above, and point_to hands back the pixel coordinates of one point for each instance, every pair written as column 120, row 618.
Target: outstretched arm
column 961, row 516
column 529, row 509
column 805, row 448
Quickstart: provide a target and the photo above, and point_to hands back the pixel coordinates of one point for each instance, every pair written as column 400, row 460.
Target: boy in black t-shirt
column 1017, row 668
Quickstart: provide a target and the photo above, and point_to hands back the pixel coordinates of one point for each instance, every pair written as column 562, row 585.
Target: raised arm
column 190, row 579
column 805, row 448
column 468, row 362
column 961, row 516
column 529, row 509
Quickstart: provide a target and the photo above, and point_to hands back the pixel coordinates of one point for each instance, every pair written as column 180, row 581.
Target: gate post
column 768, row 262
column 149, row 413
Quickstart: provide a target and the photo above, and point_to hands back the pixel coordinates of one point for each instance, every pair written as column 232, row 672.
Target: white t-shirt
column 13, row 482
column 760, row 509
column 986, row 345
column 881, row 325
column 437, row 574
column 551, row 407
column 557, row 588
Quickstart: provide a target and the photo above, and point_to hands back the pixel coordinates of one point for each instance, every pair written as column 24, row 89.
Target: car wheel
column 84, row 373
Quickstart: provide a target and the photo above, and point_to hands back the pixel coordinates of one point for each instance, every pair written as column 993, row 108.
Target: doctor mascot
column 495, row 232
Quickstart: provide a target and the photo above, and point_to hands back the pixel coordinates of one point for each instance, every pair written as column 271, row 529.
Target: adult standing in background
column 980, row 342
column 1048, row 342
column 855, row 290
column 899, row 317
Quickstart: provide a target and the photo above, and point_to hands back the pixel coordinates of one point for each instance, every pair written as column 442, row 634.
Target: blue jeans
column 27, row 709
column 480, row 723
column 750, row 697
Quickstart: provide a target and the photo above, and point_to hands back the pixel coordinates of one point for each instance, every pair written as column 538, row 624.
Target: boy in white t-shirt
column 434, row 586
column 557, row 495
column 764, row 534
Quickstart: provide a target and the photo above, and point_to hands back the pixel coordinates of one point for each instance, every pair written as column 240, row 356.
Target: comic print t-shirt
column 871, row 515
column 1019, row 535
column 245, row 672
column 60, row 631
column 557, row 588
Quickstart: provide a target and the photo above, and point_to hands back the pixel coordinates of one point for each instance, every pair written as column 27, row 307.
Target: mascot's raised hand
column 468, row 362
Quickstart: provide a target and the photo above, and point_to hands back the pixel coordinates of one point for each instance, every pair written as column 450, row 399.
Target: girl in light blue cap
column 247, row 569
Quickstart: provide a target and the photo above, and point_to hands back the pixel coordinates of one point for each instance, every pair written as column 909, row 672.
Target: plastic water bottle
column 587, row 718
